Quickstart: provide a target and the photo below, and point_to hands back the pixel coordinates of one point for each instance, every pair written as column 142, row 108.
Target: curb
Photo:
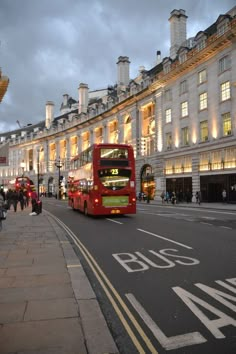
column 98, row 339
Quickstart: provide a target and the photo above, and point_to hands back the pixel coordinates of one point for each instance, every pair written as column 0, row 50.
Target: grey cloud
column 49, row 47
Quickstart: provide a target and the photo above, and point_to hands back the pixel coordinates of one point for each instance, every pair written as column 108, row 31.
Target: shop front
column 182, row 186
column 212, row 187
column 148, row 184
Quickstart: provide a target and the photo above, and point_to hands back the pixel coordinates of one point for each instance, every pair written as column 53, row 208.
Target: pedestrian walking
column 14, row 200
column 163, row 197
column 224, row 195
column 198, row 197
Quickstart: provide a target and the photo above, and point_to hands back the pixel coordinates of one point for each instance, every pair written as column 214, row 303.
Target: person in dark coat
column 14, row 200
column 21, row 199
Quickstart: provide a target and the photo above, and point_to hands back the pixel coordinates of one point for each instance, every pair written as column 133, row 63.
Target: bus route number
column 114, row 171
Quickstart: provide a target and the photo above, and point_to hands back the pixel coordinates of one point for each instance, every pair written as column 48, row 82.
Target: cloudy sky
column 48, row 47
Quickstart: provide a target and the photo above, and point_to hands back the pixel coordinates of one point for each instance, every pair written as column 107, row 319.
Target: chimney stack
column 177, row 21
column 83, row 98
column 158, row 57
column 49, row 114
column 123, row 71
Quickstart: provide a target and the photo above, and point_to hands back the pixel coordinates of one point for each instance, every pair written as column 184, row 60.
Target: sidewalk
column 47, row 305
column 216, row 206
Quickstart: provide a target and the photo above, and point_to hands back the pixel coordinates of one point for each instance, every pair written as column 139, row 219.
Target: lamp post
column 38, row 151
column 59, row 166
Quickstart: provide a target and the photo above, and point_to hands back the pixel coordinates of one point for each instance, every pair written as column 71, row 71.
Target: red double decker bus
column 24, row 183
column 101, row 180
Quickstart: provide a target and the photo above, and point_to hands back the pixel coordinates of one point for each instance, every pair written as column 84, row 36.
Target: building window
column 183, row 87
column 227, row 124
column 224, row 64
column 182, row 58
column 167, row 95
column 202, row 76
column 169, row 141
column 203, row 101
column 184, row 109
column 225, row 91
column 204, row 130
column 201, row 45
column 222, row 29
column 185, row 136
column 168, row 115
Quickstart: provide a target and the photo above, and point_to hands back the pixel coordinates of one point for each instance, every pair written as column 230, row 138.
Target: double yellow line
column 112, row 294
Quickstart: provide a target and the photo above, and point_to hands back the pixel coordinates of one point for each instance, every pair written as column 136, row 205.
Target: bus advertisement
column 101, row 180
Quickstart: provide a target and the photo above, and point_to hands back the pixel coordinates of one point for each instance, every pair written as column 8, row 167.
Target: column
column 79, row 143
column 121, row 126
column 105, row 132
column 91, row 137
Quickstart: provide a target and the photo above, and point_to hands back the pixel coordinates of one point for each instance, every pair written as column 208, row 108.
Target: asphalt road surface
column 165, row 278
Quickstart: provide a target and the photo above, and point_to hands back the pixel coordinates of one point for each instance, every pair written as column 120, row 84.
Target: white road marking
column 117, row 222
column 208, row 217
column 213, row 325
column 226, row 227
column 166, row 239
column 168, row 343
column 205, row 223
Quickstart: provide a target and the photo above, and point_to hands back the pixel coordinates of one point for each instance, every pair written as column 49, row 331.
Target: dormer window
column 201, row 45
column 200, row 40
column 166, row 65
column 222, row 24
column 182, row 54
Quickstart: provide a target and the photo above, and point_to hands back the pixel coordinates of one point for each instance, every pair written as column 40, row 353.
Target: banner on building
column 4, row 154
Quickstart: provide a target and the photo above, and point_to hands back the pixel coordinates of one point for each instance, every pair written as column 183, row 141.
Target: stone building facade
column 180, row 117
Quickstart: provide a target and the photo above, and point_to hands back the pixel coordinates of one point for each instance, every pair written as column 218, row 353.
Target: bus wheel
column 85, row 209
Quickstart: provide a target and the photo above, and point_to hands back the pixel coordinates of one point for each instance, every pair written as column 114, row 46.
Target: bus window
column 115, row 153
column 114, row 178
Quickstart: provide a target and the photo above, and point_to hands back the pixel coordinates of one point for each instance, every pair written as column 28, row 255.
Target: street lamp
column 59, row 166
column 38, row 151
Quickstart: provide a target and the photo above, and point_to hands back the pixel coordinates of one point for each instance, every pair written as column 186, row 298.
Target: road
column 165, row 278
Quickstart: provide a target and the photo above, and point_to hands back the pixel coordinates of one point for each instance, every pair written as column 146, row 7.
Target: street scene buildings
column 180, row 117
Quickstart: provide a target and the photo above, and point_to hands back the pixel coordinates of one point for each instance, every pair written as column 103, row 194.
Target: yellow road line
column 92, row 262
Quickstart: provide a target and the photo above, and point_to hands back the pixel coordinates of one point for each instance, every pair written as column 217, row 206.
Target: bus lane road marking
column 117, row 222
column 196, row 305
column 165, row 238
column 124, row 314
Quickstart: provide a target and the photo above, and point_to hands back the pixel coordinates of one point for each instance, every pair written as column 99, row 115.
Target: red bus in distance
column 25, row 184
column 101, row 180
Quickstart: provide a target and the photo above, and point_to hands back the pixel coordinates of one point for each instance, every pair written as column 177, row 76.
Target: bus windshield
column 114, row 178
